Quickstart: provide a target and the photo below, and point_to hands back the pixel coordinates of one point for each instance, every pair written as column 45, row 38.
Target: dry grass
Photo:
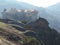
column 6, row 30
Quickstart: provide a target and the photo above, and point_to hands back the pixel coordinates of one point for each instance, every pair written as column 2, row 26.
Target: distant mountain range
column 54, row 10
column 51, row 14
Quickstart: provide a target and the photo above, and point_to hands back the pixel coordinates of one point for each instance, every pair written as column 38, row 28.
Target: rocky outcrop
column 44, row 32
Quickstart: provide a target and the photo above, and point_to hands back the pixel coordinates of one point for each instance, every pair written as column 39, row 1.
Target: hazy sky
column 41, row 3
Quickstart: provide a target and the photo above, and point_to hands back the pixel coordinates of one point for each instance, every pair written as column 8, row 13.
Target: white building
column 22, row 15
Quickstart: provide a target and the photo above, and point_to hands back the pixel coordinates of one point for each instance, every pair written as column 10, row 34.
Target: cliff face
column 44, row 32
column 39, row 23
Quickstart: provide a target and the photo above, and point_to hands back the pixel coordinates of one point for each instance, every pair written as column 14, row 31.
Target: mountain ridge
column 44, row 13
